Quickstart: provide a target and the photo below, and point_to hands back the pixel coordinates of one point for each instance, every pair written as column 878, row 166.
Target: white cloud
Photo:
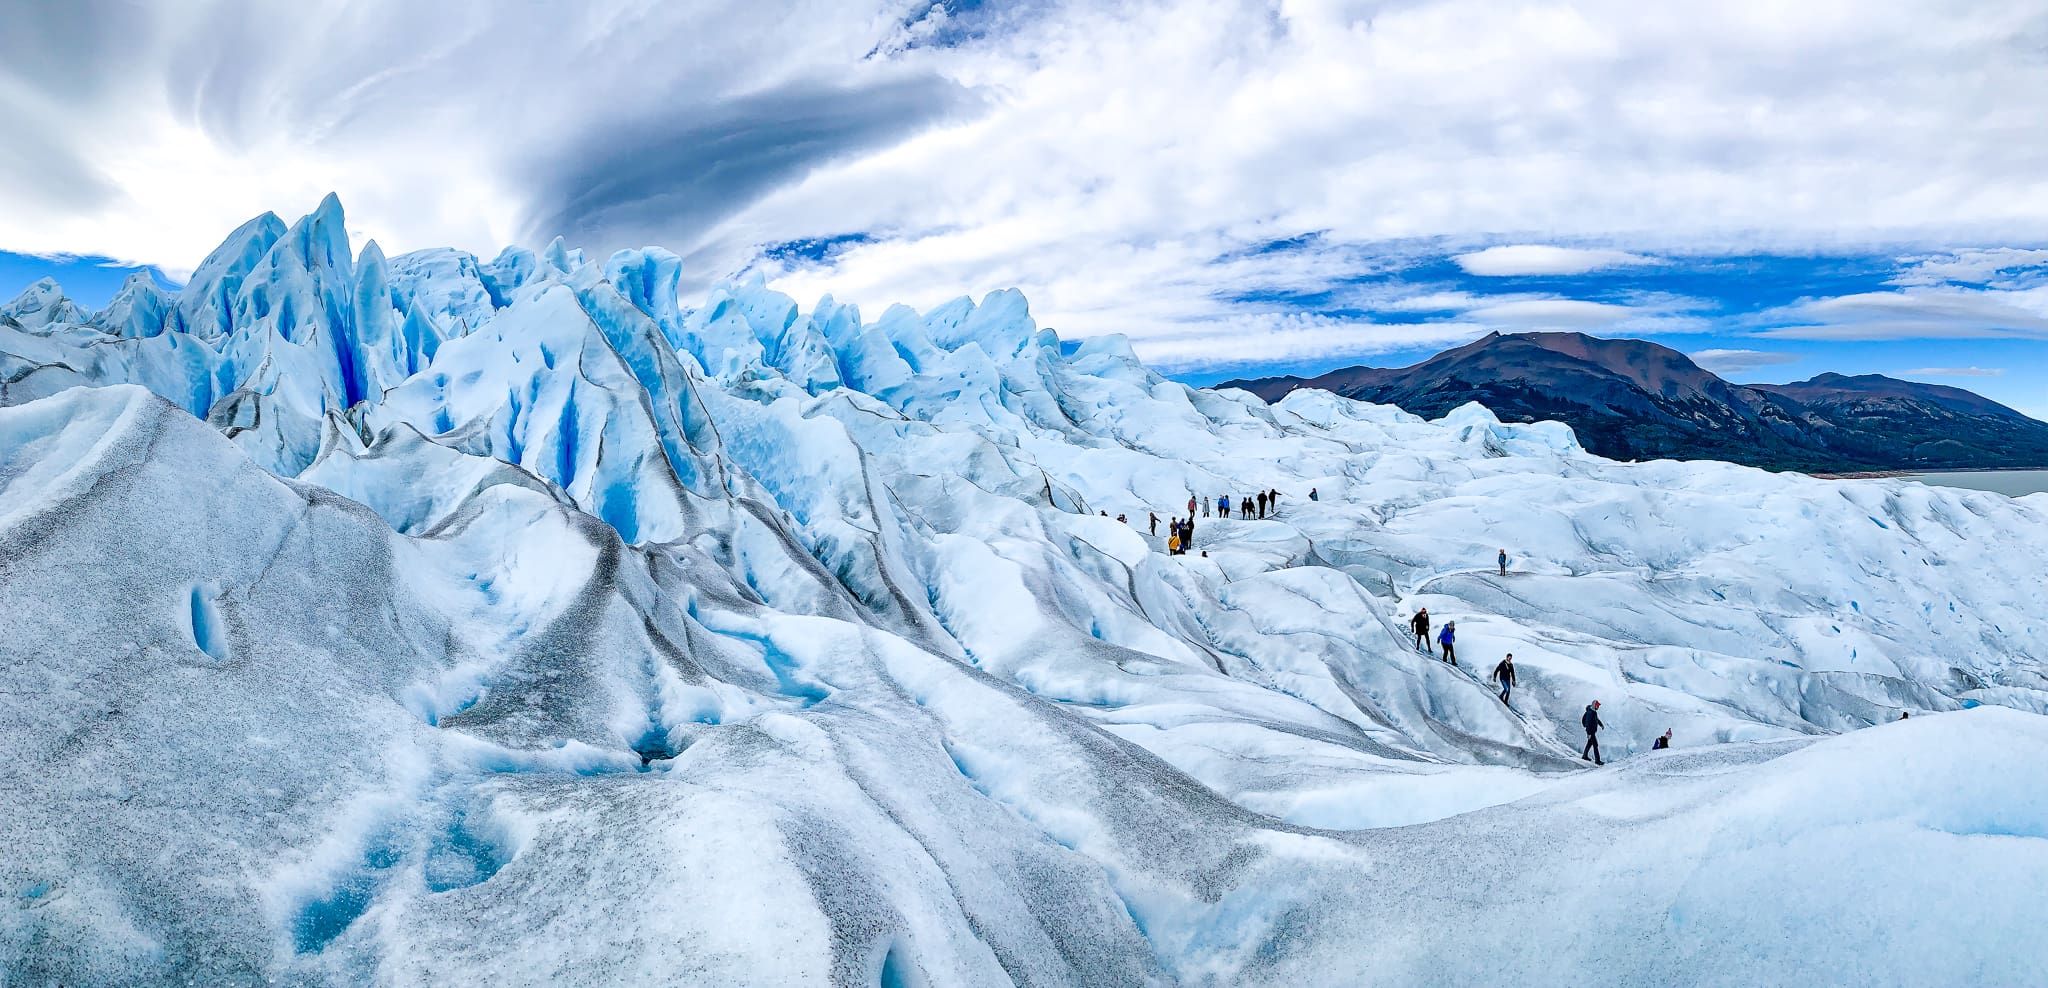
column 1976, row 266
column 1531, row 259
column 1550, row 312
column 1955, row 372
column 1740, row 361
column 1112, row 151
column 1281, row 338
column 1917, row 313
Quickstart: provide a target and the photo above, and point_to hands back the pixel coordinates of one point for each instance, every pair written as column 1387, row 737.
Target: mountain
column 429, row 619
column 1631, row 399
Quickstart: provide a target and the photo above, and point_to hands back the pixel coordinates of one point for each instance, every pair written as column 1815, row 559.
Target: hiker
column 1903, row 715
column 1120, row 517
column 1104, row 514
column 1223, row 506
column 1155, row 521
column 1663, row 742
column 1503, row 562
column 1312, row 495
column 1205, row 505
column 1504, row 674
column 1246, row 505
column 1262, row 504
column 1421, row 625
column 1191, row 506
column 1173, row 544
column 1590, row 720
column 1447, row 638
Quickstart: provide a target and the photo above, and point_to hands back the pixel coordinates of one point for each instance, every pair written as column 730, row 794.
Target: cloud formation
column 1741, row 361
column 1932, row 313
column 1509, row 260
column 1201, row 175
column 1955, row 372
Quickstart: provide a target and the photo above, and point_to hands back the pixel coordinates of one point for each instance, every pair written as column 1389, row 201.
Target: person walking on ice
column 1155, row 521
column 1205, row 505
column 1662, row 742
column 1504, row 674
column 1223, row 506
column 1590, row 720
column 1503, row 562
column 1448, row 638
column 1421, row 625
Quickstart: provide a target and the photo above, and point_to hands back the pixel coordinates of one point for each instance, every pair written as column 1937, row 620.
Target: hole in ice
column 203, row 624
column 899, row 970
column 462, row 856
column 322, row 919
column 655, row 746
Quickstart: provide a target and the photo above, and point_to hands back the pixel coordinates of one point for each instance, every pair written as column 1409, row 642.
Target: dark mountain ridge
column 1636, row 400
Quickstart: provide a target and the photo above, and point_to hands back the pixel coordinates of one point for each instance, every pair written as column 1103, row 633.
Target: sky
column 1241, row 188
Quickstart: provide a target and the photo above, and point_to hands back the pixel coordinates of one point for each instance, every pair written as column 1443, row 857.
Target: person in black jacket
column 1590, row 720
column 1662, row 742
column 1420, row 624
column 1504, row 674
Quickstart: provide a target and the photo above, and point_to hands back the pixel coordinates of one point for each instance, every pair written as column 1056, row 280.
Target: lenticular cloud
column 435, row 620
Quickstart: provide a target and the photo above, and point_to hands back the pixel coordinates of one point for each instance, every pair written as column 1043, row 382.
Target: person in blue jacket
column 1448, row 639
column 1590, row 720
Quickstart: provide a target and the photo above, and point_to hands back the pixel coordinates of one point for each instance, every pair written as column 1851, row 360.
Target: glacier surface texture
column 432, row 620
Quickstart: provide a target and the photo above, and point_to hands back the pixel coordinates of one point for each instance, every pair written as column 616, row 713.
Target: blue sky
column 1238, row 186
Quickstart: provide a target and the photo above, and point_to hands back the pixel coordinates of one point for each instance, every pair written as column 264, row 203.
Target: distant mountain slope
column 1630, row 399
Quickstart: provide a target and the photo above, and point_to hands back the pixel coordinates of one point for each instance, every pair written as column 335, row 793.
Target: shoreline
column 1896, row 474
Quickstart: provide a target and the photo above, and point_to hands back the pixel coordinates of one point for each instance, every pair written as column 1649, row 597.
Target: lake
column 2013, row 482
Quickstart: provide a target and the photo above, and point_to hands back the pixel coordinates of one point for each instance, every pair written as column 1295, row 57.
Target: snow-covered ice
column 429, row 620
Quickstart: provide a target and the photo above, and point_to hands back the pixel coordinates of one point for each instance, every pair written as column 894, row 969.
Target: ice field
column 430, row 620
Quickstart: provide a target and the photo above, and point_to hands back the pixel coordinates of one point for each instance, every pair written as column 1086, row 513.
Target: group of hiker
column 1248, row 506
column 1503, row 676
column 1180, row 532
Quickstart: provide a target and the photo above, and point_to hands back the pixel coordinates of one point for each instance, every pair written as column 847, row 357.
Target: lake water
column 2013, row 482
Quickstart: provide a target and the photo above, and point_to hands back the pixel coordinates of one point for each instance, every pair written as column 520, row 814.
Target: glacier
column 435, row 620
